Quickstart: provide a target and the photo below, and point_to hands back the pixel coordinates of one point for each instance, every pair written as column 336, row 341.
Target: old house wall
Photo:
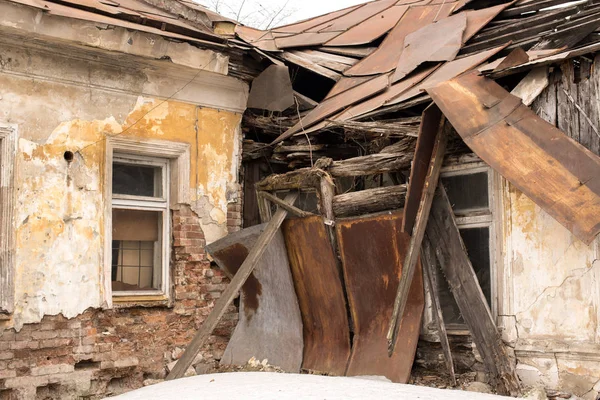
column 64, row 339
column 550, row 290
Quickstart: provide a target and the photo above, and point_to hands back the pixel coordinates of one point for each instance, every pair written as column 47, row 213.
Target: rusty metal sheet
column 305, row 39
column 380, row 100
column 320, row 295
column 270, row 325
column 346, row 83
column 447, row 71
column 272, row 89
column 557, row 173
column 373, row 251
column 386, row 57
column 354, row 17
column 440, row 41
column 334, row 104
column 370, row 29
column 307, row 24
column 478, row 19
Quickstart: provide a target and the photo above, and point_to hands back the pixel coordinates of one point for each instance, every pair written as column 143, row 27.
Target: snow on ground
column 269, row 385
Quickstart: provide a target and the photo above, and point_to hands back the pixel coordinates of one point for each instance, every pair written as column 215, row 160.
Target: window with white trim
column 470, row 190
column 140, row 224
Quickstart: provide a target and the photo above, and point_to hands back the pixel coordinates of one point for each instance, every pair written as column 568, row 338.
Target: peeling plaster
column 59, row 234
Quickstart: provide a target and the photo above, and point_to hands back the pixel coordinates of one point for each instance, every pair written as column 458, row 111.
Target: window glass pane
column 477, row 242
column 136, row 252
column 134, row 265
column 467, row 192
column 137, row 180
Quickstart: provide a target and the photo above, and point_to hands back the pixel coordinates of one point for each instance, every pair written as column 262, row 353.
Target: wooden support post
column 456, row 266
column 230, row 292
column 264, row 208
column 326, row 194
column 412, row 254
column 429, row 273
column 290, row 208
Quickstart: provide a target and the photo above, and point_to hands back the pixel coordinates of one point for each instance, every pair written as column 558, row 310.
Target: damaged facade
column 98, row 110
column 121, row 140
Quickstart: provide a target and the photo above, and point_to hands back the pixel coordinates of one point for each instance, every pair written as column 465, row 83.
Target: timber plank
column 451, row 254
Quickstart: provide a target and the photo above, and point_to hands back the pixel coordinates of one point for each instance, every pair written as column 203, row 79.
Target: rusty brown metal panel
column 403, row 86
column 428, row 131
column 307, row 24
column 346, row 83
column 478, row 19
column 370, row 29
column 557, row 173
column 386, row 57
column 447, row 71
column 373, row 250
column 320, row 295
column 337, row 103
column 305, row 39
column 434, row 42
column 355, row 17
column 270, row 325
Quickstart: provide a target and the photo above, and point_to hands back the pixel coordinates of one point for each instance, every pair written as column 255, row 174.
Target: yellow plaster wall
column 60, row 218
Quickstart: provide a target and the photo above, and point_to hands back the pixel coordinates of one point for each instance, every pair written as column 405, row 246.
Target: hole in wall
column 49, row 392
column 68, row 156
column 8, row 394
column 87, row 364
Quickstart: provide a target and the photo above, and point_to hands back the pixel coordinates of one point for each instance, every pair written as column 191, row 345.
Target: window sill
column 158, row 300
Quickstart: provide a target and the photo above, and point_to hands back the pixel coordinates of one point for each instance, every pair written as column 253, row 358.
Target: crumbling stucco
column 59, row 219
column 552, row 304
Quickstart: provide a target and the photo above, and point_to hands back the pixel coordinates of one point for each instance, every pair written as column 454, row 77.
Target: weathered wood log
column 452, row 257
column 369, row 201
column 191, row 351
column 303, row 178
column 371, row 165
column 374, row 129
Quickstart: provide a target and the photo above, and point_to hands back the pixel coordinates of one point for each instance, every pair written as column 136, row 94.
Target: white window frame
column 8, row 148
column 142, row 203
column 174, row 158
column 479, row 219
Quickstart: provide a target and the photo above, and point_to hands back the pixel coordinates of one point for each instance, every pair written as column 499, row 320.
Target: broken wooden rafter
column 443, row 235
column 286, row 206
column 373, row 129
column 429, row 273
column 369, row 201
column 371, row 165
column 230, row 291
column 418, row 231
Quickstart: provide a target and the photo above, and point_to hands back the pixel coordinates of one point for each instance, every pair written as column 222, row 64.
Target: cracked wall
column 553, row 305
column 71, row 103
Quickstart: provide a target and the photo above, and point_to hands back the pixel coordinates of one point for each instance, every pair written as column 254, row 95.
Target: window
column 470, row 192
column 140, row 224
column 144, row 179
column 8, row 139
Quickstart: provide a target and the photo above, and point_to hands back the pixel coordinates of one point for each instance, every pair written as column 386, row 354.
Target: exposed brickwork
column 234, row 216
column 104, row 352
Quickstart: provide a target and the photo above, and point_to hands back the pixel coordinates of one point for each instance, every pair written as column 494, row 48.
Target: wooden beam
column 452, row 257
column 369, row 201
column 303, row 178
column 412, row 254
column 289, row 207
column 429, row 273
column 231, row 291
column 372, row 164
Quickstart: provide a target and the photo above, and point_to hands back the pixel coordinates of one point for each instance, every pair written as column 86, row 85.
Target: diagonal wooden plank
column 231, row 291
column 412, row 255
column 429, row 265
column 456, row 266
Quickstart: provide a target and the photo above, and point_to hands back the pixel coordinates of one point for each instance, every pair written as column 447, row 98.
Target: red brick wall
column 104, row 352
